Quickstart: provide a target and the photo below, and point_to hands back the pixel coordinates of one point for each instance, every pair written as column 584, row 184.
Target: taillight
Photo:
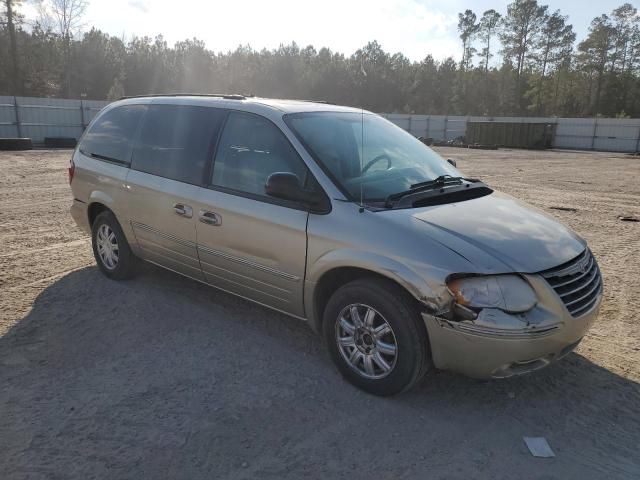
column 71, row 170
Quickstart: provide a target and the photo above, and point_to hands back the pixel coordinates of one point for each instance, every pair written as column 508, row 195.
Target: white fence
column 606, row 134
column 38, row 118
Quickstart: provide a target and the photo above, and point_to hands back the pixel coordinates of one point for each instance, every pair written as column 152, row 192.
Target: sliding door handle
column 210, row 218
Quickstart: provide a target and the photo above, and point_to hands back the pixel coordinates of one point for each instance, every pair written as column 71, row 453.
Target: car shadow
column 163, row 377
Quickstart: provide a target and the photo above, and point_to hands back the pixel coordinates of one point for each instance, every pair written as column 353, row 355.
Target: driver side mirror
column 287, row 186
column 452, row 162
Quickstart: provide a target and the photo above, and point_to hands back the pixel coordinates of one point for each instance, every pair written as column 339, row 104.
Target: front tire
column 110, row 247
column 375, row 336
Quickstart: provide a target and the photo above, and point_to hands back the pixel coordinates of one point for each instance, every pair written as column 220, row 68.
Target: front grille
column 578, row 282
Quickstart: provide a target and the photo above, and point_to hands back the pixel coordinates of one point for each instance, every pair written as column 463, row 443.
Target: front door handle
column 183, row 210
column 210, row 218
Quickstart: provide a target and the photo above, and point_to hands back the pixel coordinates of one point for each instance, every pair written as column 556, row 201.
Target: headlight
column 510, row 293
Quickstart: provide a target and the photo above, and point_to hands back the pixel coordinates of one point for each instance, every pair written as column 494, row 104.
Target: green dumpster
column 533, row 135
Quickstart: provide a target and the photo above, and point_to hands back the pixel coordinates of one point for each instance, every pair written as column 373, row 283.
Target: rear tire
column 110, row 247
column 375, row 336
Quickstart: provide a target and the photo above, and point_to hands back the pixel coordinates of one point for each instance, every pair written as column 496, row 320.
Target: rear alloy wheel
column 375, row 336
column 110, row 248
column 107, row 247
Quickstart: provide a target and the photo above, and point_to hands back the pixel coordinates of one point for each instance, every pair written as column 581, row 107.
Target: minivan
column 337, row 217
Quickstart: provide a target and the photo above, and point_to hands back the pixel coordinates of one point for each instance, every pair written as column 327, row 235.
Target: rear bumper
column 78, row 211
column 482, row 352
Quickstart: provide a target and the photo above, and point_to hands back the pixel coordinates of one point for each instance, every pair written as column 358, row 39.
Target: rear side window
column 111, row 135
column 252, row 148
column 176, row 141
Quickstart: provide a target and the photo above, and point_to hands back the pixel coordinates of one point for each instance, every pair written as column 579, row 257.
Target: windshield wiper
column 103, row 157
column 441, row 181
column 443, row 185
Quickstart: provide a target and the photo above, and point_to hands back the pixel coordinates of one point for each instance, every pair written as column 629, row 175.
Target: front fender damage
column 493, row 322
column 496, row 344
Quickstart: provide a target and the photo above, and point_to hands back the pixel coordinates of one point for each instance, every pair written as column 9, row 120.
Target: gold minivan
column 335, row 216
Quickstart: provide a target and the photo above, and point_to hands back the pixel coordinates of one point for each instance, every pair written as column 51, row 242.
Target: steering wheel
column 376, row 160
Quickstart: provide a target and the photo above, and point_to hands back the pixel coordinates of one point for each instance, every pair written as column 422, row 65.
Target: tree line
column 524, row 61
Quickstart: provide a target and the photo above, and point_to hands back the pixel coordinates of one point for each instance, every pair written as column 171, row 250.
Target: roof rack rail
column 297, row 100
column 227, row 96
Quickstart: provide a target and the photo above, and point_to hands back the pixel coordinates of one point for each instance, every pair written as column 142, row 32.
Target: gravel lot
column 162, row 377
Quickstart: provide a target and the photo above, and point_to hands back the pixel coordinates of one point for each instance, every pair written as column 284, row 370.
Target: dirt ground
column 162, row 377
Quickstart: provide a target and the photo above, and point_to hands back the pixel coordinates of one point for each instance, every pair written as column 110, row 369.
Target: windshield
column 391, row 160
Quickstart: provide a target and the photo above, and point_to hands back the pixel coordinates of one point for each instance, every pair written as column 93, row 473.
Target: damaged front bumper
column 500, row 345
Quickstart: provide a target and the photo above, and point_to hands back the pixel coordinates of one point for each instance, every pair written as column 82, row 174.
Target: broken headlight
column 510, row 293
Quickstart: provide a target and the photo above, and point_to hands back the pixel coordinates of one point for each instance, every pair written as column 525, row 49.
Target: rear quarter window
column 176, row 141
column 111, row 135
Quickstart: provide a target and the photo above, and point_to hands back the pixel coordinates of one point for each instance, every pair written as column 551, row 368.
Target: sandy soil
column 161, row 377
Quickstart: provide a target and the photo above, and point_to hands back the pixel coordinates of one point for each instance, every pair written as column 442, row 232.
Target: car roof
column 240, row 102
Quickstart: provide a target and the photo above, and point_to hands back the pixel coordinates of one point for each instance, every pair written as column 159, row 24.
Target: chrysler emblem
column 584, row 264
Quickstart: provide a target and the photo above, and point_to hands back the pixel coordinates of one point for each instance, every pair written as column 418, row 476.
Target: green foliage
column 538, row 72
column 489, row 22
column 467, row 27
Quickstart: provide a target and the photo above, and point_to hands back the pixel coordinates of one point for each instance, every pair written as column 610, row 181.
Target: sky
column 414, row 27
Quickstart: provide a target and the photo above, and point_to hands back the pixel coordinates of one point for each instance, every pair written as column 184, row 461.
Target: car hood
column 498, row 233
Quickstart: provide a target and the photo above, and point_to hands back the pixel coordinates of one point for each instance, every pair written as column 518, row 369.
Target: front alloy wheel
column 375, row 335
column 366, row 341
